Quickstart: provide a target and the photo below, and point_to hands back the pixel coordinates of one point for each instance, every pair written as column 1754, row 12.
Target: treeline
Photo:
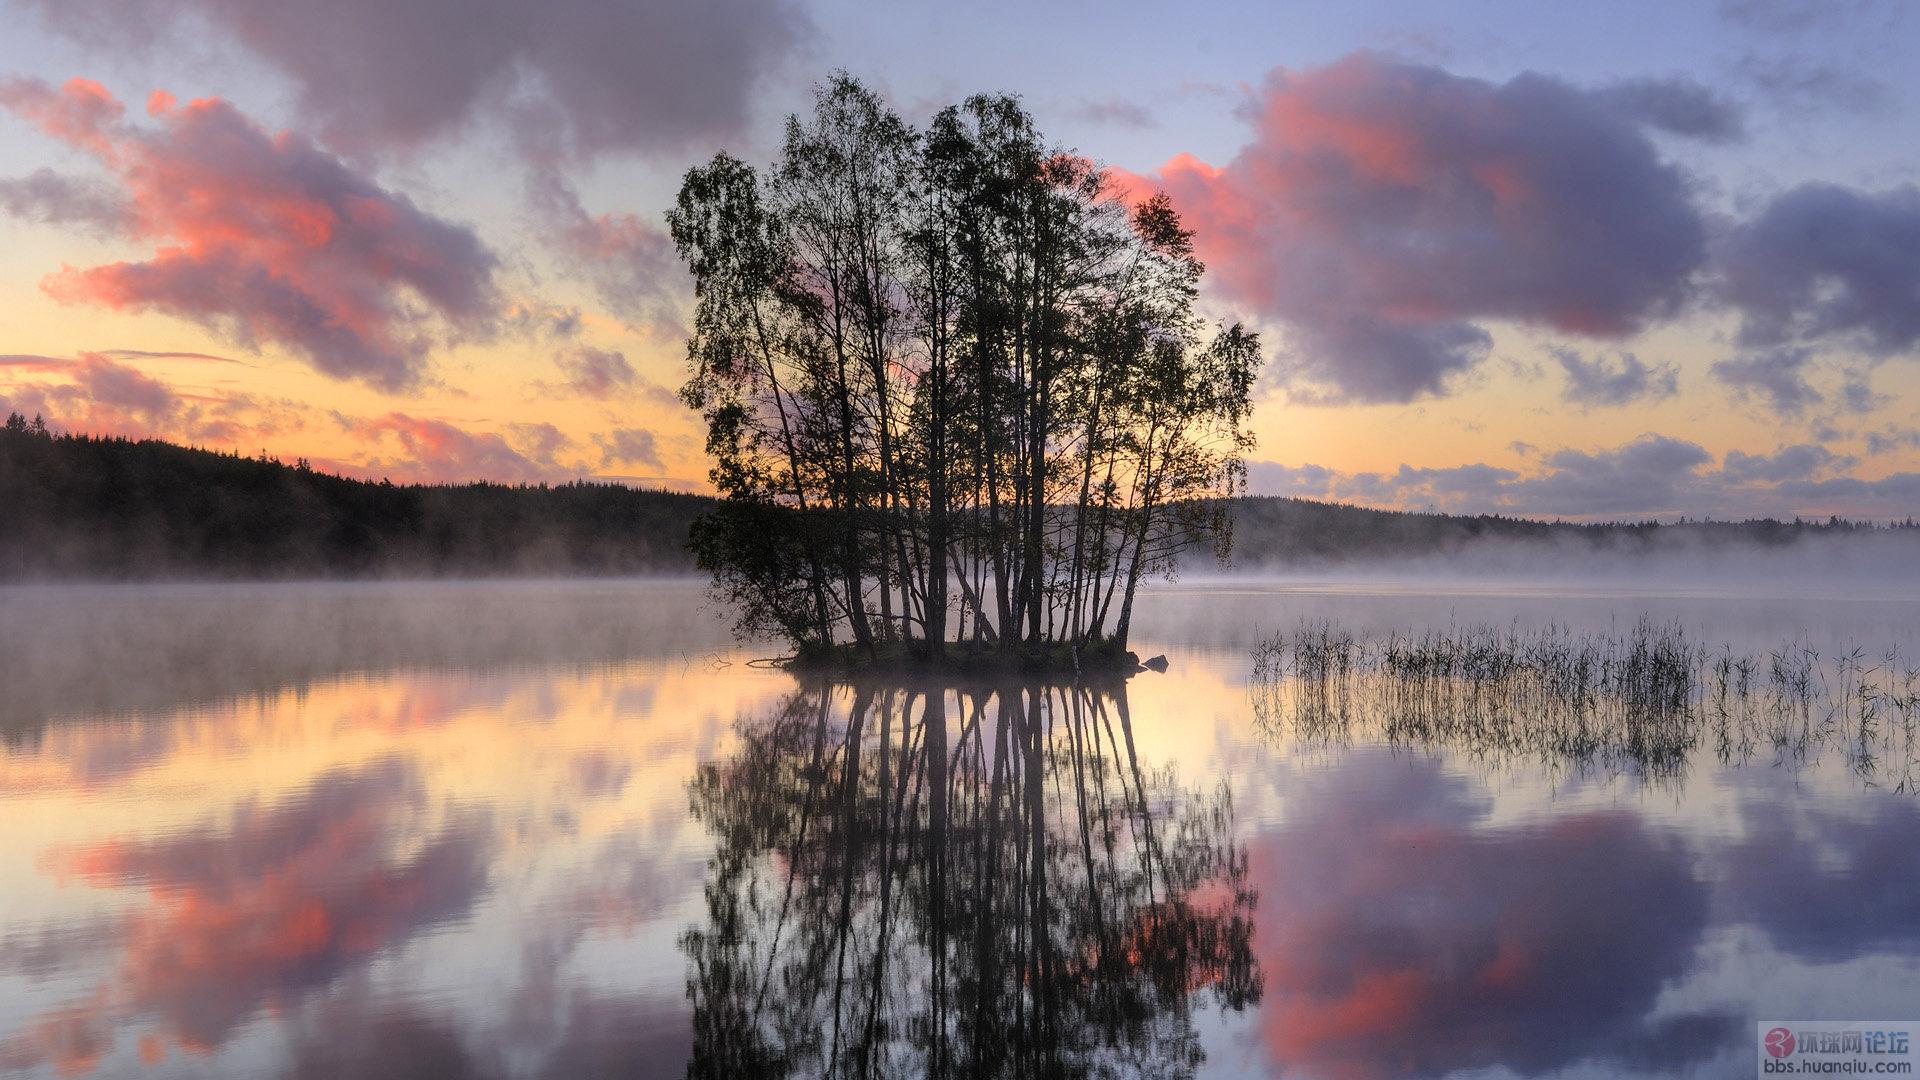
column 1279, row 532
column 79, row 506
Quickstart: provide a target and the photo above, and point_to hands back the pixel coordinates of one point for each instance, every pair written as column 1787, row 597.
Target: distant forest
column 85, row 507
column 79, row 506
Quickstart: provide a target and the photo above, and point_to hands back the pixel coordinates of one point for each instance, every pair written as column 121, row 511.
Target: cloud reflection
column 1402, row 935
column 278, row 900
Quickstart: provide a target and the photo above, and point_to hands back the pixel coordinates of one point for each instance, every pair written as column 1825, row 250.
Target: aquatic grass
column 1647, row 700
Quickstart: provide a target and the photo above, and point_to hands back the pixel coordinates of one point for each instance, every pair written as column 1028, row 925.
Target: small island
column 957, row 393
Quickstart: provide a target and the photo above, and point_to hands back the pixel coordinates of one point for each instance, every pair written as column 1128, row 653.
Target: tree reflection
column 980, row 883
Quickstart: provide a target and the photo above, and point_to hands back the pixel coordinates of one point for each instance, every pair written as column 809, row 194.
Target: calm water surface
column 569, row 830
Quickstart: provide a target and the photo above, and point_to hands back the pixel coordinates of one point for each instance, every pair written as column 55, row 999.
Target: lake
column 570, row 829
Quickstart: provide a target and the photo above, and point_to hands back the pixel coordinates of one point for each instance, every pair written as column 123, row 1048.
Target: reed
column 1647, row 700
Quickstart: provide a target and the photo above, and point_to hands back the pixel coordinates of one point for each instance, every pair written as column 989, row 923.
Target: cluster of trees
column 972, row 884
column 78, row 506
column 953, row 380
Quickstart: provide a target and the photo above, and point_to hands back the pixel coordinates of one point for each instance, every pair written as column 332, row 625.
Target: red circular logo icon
column 1779, row 1042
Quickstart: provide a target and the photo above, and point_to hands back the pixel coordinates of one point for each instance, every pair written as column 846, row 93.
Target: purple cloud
column 1600, row 383
column 1827, row 264
column 1679, row 107
column 1384, row 209
column 581, row 76
column 629, row 446
column 1798, row 462
column 48, row 197
column 1776, row 376
column 630, row 262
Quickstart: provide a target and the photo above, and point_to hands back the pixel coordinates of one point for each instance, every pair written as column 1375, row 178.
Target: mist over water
column 567, row 828
column 1882, row 563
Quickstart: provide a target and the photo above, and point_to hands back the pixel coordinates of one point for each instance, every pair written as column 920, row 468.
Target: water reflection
column 983, row 884
column 1405, row 934
column 465, row 854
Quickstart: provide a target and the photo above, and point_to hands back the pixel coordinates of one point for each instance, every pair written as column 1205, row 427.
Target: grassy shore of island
column 968, row 660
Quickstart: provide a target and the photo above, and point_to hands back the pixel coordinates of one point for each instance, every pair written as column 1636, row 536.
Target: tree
column 951, row 378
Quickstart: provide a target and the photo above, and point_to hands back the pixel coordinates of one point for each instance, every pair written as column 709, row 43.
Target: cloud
column 1113, row 112
column 47, row 197
column 1857, row 394
column 543, row 321
column 1792, row 17
column 541, row 442
column 1294, row 481
column 1800, row 84
column 1444, row 486
column 605, row 374
column 595, row 373
column 1650, row 476
column 33, row 362
column 629, row 446
column 630, row 263
column 1827, row 264
column 1896, row 493
column 1679, row 107
column 97, row 394
column 267, row 238
column 122, row 387
column 169, row 354
column 1385, row 208
column 1596, row 383
column 101, row 395
column 1891, row 438
column 1787, row 463
column 578, row 76
column 435, row 451
column 1776, row 376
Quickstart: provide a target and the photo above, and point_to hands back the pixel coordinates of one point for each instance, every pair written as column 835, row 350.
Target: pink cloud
column 604, row 374
column 433, row 451
column 266, row 237
column 1384, row 209
column 98, row 394
column 629, row 446
column 630, row 262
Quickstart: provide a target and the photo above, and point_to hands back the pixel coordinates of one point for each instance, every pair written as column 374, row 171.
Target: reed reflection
column 984, row 883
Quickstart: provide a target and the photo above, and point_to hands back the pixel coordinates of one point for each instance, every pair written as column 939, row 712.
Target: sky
column 1567, row 260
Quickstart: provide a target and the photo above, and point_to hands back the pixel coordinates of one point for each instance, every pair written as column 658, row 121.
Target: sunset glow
column 1667, row 271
